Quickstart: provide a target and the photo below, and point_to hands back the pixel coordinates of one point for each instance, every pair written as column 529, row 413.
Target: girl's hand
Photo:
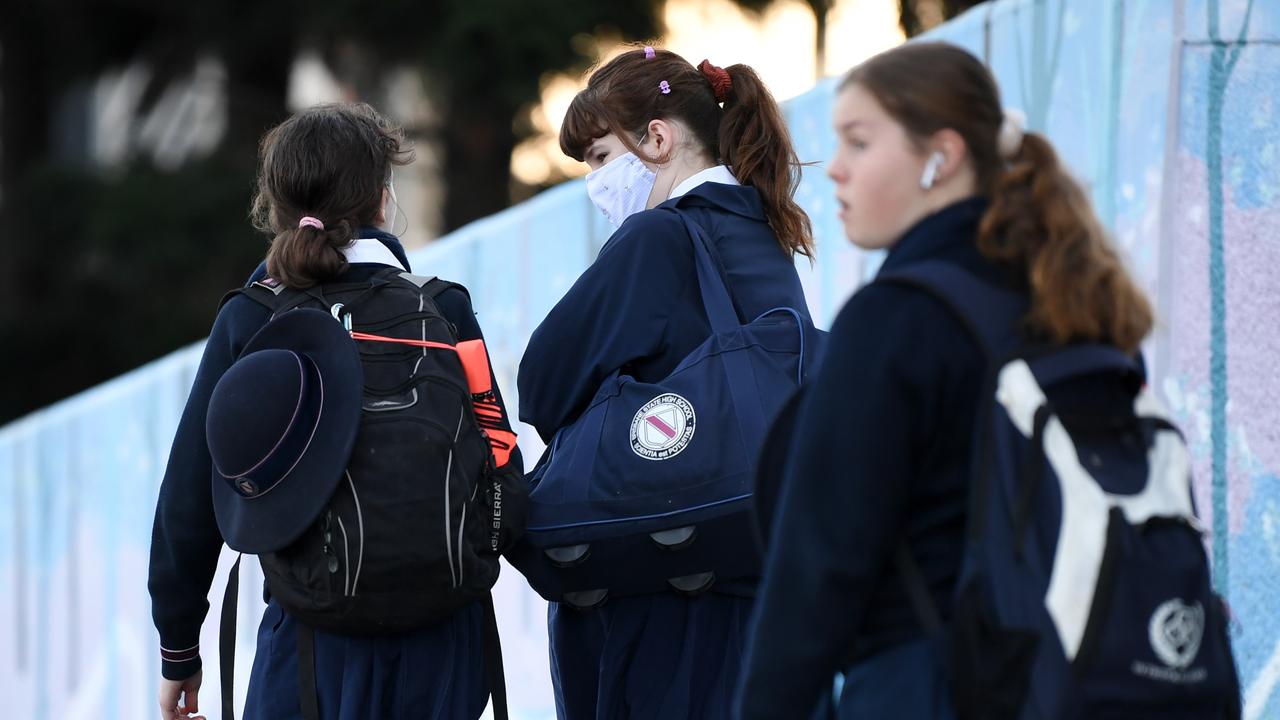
column 173, row 690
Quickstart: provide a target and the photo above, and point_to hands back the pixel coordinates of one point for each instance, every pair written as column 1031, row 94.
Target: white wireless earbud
column 931, row 167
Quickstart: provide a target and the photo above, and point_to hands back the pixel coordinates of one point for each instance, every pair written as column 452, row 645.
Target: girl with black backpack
column 323, row 190
column 664, row 140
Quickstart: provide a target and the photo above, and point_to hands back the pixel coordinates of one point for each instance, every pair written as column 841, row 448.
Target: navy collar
column 741, row 200
column 953, row 224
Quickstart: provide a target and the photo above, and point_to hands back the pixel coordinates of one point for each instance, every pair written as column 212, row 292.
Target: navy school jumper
column 637, row 308
column 436, row 672
column 880, row 455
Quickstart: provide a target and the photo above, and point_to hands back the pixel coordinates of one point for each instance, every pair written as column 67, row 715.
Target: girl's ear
column 955, row 152
column 661, row 135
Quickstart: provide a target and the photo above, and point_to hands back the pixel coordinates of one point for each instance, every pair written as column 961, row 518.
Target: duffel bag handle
column 716, row 299
column 723, row 318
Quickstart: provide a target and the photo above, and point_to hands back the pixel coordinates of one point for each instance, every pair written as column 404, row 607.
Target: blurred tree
column 821, row 9
column 917, row 16
column 914, row 16
column 120, row 270
column 483, row 61
column 106, row 269
column 490, row 66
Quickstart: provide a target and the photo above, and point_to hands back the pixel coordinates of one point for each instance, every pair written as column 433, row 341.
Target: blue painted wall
column 1167, row 109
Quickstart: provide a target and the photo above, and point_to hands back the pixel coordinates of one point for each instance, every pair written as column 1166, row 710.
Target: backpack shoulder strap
column 432, row 288
column 990, row 314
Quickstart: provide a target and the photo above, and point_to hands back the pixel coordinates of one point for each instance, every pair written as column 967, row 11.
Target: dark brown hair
column 1039, row 221
column 748, row 134
column 329, row 162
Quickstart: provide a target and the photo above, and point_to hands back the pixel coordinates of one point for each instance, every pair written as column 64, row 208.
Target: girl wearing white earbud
column 930, row 168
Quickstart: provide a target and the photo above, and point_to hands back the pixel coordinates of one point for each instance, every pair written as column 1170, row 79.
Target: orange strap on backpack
column 475, row 364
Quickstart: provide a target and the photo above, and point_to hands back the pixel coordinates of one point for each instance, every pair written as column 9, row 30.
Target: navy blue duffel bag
column 651, row 487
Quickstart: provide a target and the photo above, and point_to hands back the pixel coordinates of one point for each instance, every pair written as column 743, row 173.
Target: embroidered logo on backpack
column 663, row 428
column 1176, row 630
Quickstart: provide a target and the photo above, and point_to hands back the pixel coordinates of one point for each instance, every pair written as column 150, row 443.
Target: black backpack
column 413, row 531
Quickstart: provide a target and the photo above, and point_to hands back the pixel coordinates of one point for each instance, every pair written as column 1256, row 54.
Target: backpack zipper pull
column 328, row 548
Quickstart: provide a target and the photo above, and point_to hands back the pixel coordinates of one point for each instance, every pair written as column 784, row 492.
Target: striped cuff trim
column 180, row 656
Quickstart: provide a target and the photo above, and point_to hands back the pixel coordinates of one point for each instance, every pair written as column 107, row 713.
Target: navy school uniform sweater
column 879, row 455
column 185, row 541
column 637, row 308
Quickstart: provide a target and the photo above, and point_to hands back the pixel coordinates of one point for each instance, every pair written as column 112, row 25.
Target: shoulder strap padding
column 267, row 295
column 419, row 280
column 990, row 314
column 270, row 283
column 432, row 286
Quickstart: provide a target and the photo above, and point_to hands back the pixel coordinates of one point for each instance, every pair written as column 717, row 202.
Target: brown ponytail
column 329, row 162
column 307, row 256
column 1039, row 221
column 755, row 143
column 748, row 134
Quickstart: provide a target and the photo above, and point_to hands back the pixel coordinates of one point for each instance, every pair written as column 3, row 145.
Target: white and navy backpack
column 1085, row 590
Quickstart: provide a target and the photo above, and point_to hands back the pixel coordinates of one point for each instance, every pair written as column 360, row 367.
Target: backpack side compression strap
column 493, row 660
column 308, row 700
column 913, row 581
column 227, row 641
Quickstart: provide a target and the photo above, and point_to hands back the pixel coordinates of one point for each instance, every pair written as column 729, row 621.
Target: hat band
column 285, row 456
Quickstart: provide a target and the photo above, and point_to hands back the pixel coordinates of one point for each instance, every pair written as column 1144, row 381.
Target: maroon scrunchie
column 721, row 83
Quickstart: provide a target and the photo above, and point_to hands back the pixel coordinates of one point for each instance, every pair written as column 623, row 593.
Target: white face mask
column 621, row 187
column 395, row 213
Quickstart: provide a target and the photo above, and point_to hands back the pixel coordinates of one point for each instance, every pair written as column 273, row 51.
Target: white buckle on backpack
column 343, row 317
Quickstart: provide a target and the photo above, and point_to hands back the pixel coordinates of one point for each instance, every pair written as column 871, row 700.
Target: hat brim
column 273, row 520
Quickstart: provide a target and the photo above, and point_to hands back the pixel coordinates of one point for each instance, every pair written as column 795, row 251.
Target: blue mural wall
column 1166, row 109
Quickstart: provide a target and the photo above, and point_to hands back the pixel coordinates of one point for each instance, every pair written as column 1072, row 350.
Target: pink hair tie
column 309, row 221
column 665, row 87
column 649, row 53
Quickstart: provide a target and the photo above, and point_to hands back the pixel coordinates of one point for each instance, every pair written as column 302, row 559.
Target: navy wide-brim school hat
column 281, row 426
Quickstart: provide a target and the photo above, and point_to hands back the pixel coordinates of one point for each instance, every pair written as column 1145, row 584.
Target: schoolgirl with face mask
column 659, row 133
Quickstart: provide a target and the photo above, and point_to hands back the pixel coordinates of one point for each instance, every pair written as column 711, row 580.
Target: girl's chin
column 862, row 241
